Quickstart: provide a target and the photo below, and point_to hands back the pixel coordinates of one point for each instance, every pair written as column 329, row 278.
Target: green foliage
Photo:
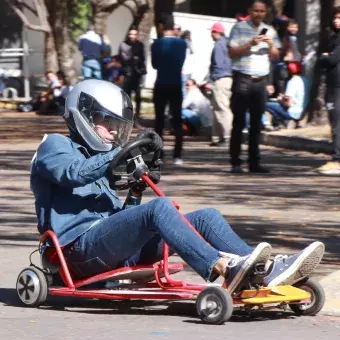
column 80, row 17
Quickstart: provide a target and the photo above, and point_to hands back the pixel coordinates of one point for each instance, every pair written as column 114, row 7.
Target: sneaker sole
column 302, row 267
column 261, row 254
column 329, row 172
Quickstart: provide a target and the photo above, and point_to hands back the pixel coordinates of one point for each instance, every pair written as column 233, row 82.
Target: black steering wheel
column 134, row 166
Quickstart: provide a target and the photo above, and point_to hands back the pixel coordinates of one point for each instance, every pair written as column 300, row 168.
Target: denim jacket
column 71, row 188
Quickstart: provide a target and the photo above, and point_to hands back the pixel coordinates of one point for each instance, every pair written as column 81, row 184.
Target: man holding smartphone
column 252, row 46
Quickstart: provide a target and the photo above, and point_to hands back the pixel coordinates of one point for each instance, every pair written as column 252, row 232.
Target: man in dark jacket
column 167, row 57
column 220, row 76
column 132, row 53
column 330, row 61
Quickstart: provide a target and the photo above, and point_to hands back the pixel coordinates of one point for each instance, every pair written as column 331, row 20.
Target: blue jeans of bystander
column 91, row 68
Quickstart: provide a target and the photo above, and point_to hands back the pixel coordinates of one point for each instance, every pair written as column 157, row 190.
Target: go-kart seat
column 50, row 261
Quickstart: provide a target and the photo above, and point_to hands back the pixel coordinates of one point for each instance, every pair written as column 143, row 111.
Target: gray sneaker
column 239, row 267
column 287, row 270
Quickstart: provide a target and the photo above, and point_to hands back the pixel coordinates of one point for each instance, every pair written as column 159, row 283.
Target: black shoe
column 258, row 169
column 236, row 169
column 223, row 144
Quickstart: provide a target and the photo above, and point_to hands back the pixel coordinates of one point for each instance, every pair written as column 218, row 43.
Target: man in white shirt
column 196, row 109
column 290, row 105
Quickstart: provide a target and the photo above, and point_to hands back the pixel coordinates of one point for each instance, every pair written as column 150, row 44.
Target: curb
column 331, row 284
column 292, row 142
column 315, row 145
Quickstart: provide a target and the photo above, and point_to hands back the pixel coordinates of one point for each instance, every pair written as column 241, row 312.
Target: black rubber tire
column 220, row 297
column 39, row 284
column 318, row 298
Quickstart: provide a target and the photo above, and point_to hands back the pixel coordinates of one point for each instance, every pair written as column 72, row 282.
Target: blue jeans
column 91, row 69
column 278, row 111
column 134, row 237
column 192, row 118
column 264, row 120
column 185, row 78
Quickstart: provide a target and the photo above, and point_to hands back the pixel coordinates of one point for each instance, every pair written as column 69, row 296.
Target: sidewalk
column 315, row 139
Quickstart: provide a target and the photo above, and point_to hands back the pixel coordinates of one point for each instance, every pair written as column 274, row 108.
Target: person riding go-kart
column 71, row 181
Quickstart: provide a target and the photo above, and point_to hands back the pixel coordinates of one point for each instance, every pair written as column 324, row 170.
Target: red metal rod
column 165, row 265
column 120, row 295
column 160, row 193
column 165, row 262
column 66, row 272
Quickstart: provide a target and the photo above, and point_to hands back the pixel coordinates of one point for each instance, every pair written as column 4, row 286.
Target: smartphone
column 264, row 31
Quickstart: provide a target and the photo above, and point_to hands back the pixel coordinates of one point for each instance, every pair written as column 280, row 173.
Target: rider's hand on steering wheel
column 156, row 144
column 137, row 188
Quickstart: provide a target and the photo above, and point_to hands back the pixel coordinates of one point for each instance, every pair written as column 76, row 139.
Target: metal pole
column 25, row 63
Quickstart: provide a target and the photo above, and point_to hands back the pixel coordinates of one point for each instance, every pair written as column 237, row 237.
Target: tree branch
column 42, row 12
column 15, row 6
column 27, row 6
column 105, row 3
column 131, row 5
column 127, row 3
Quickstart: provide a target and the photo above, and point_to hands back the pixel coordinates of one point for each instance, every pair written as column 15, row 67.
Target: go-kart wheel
column 317, row 298
column 32, row 287
column 214, row 305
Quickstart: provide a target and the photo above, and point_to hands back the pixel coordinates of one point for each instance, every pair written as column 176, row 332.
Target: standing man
column 92, row 47
column 167, row 57
column 133, row 55
column 221, row 78
column 252, row 46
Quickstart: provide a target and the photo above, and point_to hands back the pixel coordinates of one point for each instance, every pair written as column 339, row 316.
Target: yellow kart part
column 273, row 295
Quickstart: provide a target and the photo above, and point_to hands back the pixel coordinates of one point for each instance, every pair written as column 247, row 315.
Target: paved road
column 288, row 208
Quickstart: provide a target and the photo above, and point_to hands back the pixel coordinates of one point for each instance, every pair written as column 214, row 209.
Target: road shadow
column 292, row 187
column 185, row 309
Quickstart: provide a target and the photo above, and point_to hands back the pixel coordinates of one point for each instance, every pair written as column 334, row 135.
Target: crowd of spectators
column 255, row 81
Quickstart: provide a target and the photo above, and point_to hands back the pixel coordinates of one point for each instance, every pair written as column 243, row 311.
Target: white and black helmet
column 94, row 100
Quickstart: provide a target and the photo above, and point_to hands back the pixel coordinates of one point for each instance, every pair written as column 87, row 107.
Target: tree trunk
column 316, row 111
column 275, row 9
column 162, row 7
column 41, row 12
column 145, row 23
column 100, row 17
column 50, row 54
column 63, row 41
column 278, row 7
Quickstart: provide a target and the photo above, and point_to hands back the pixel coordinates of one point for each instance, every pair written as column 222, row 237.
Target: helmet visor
column 109, row 126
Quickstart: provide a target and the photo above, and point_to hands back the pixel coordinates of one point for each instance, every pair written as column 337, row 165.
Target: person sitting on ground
column 290, row 50
column 196, row 111
column 188, row 66
column 114, row 72
column 266, row 123
column 60, row 92
column 290, row 105
column 45, row 101
column 70, row 179
column 288, row 53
